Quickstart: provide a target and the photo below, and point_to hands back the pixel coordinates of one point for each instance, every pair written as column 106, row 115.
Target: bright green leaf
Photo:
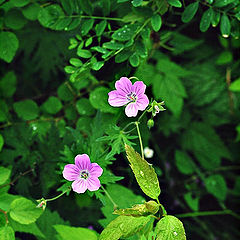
column 76, row 62
column 4, row 172
column 7, row 233
column 100, row 27
column 235, row 85
column 75, row 233
column 215, row 18
column 144, row 173
column 97, row 65
column 24, row 211
column 84, row 53
column 175, row 3
column 206, row 20
column 123, row 226
column 221, row 3
column 225, row 57
column 136, row 3
column 1, row 145
column 125, row 33
column 170, row 228
column 134, row 60
column 193, row 203
column 156, row 22
column 8, row 46
column 26, row 109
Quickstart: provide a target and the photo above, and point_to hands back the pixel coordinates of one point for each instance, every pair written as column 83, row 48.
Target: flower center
column 132, row 97
column 84, row 174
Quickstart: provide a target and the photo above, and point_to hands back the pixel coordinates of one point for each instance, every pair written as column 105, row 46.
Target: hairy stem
column 140, row 139
column 115, row 206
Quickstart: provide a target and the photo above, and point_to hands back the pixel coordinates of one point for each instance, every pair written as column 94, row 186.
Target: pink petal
column 116, row 100
column 71, row 172
column 142, row 102
column 93, row 183
column 124, row 85
column 79, row 186
column 83, row 162
column 131, row 110
column 96, row 170
column 139, row 87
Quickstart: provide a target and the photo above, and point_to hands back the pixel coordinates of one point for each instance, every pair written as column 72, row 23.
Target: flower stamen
column 132, row 97
column 84, row 174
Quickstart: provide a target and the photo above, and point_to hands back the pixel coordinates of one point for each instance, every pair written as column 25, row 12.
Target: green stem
column 129, row 124
column 58, row 196
column 204, row 213
column 140, row 139
column 115, row 206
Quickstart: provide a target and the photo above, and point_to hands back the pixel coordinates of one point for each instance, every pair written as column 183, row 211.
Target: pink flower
column 84, row 174
column 131, row 95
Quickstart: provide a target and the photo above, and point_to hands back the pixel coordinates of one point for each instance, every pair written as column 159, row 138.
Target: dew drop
column 141, row 173
column 124, row 31
column 175, row 233
column 119, row 34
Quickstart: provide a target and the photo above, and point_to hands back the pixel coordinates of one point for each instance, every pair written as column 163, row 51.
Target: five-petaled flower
column 129, row 94
column 84, row 174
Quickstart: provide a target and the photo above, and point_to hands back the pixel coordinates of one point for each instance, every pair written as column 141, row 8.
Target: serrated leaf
column 7, row 233
column 75, row 233
column 206, row 20
column 53, row 105
column 189, row 12
column 144, row 173
column 123, row 226
column 8, row 46
column 216, row 185
column 225, row 26
column 4, row 172
column 148, row 208
column 184, row 163
column 26, row 109
column 156, row 22
column 170, row 228
column 24, row 211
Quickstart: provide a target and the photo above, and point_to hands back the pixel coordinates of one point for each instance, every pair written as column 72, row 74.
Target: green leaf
column 235, row 85
column 100, row 27
column 1, row 145
column 97, row 65
column 216, row 185
column 3, row 111
column 84, row 53
column 20, row 3
column 221, row 3
column 75, row 233
column 26, row 109
column 225, row 26
column 137, row 3
column 215, row 18
column 206, row 145
column 53, row 105
column 88, row 42
column 64, row 93
column 193, row 203
column 206, row 20
column 184, row 163
column 148, row 208
column 123, row 226
column 8, row 46
column 86, row 26
column 86, row 6
column 14, row 19
column 123, row 56
column 84, row 107
column 31, row 11
column 170, row 228
column 99, row 100
column 4, row 172
column 189, row 12
column 134, row 60
column 8, row 85
column 24, row 211
column 144, row 173
column 7, row 233
column 225, row 57
column 156, row 22
column 175, row 3
column 125, row 33
column 76, row 62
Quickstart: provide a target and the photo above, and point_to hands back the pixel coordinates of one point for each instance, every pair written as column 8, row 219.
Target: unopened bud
column 42, row 203
column 150, row 123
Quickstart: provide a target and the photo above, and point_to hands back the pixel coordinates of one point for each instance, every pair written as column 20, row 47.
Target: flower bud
column 150, row 123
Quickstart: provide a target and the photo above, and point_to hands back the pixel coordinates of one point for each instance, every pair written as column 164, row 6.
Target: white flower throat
column 84, row 174
column 132, row 97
